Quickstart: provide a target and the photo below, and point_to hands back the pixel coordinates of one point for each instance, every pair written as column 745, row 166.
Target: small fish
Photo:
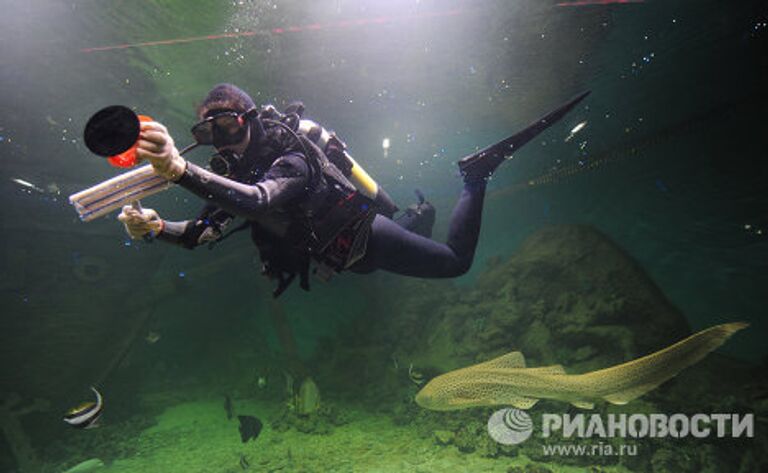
column 261, row 382
column 575, row 130
column 86, row 415
column 152, row 337
column 27, row 184
column 415, row 376
column 250, row 427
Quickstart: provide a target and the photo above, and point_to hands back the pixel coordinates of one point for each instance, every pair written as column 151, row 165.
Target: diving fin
column 481, row 164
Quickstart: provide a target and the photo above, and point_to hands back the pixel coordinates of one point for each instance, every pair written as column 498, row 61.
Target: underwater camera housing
column 113, row 133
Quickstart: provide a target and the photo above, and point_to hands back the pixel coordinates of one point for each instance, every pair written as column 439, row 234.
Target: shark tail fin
column 637, row 377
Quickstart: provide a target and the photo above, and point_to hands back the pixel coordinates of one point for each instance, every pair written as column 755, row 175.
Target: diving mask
column 224, row 128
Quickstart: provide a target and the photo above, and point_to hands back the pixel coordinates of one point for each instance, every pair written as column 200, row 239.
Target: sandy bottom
column 196, row 437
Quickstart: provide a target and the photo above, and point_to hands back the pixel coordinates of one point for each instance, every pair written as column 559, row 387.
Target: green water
column 666, row 182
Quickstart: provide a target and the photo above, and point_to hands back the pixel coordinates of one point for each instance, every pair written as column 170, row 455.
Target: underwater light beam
column 274, row 31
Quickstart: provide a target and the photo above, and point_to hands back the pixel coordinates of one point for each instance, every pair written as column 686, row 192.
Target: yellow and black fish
column 86, row 415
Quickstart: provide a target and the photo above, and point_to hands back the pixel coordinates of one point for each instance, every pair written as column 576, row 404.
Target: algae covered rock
column 465, row 440
column 665, row 460
column 472, row 437
column 487, row 447
column 319, row 422
column 444, row 437
column 569, row 295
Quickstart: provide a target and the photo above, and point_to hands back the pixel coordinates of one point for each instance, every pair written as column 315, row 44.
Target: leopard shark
column 506, row 381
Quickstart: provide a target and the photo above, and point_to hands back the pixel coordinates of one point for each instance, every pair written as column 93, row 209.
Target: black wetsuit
column 399, row 250
column 267, row 204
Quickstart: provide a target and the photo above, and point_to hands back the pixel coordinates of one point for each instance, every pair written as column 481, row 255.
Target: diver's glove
column 139, row 223
column 156, row 146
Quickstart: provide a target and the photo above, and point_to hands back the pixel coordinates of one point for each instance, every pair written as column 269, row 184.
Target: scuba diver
column 305, row 199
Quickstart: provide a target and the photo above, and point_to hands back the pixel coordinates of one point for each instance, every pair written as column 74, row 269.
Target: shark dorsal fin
column 514, row 359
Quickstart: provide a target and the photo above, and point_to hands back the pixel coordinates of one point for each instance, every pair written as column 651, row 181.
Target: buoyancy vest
column 331, row 226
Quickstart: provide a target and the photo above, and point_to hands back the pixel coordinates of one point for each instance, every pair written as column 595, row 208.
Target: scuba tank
column 335, row 149
column 336, row 222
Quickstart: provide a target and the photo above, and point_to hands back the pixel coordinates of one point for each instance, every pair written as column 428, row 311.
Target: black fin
column 250, row 427
column 481, row 164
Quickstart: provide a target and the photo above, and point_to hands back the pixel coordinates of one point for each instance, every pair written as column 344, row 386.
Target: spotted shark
column 507, row 381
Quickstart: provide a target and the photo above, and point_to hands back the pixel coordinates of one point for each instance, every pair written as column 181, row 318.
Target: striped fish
column 86, row 415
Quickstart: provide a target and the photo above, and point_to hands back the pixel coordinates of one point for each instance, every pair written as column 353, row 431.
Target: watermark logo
column 513, row 426
column 510, row 426
column 649, row 425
